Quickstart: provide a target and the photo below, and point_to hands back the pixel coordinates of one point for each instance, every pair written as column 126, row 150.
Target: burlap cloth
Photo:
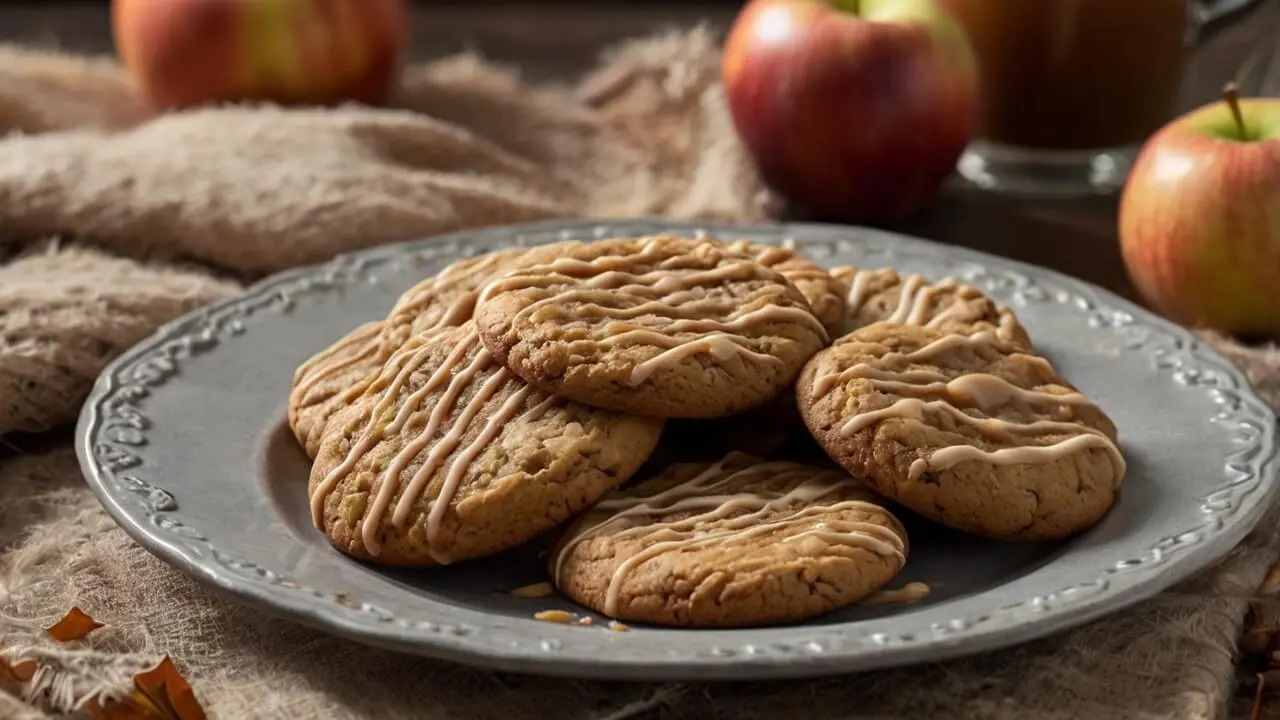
column 110, row 228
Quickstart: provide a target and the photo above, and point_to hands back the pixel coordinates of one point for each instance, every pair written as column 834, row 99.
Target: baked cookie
column 448, row 298
column 330, row 380
column 738, row 542
column 449, row 456
column 883, row 295
column 661, row 326
column 338, row 374
column 965, row 429
column 824, row 292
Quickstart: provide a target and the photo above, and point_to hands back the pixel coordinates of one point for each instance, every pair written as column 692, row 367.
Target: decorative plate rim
column 112, row 430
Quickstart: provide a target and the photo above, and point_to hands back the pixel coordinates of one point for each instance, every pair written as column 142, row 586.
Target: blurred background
column 557, row 40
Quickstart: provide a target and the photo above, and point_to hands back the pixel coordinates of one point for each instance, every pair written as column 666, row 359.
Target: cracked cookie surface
column 660, row 326
column 734, row 543
column 884, row 295
column 448, row 456
column 967, row 430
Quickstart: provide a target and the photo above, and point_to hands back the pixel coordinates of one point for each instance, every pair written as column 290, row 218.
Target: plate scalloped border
column 112, row 432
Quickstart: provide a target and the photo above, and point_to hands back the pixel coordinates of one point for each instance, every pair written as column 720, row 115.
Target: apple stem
column 1231, row 94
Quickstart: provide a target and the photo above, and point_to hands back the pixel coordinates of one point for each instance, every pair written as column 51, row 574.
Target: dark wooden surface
column 559, row 40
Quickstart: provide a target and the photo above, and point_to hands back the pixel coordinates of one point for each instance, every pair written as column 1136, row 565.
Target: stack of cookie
column 524, row 394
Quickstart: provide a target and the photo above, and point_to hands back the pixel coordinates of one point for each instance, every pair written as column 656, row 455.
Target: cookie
column 660, row 326
column 735, row 543
column 824, row 292
column 449, row 456
column 337, row 374
column 331, row 379
column 883, row 295
column 448, row 298
column 967, row 430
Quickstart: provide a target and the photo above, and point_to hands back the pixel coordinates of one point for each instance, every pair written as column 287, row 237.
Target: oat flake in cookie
column 883, row 295
column 965, row 429
column 659, row 326
column 449, row 456
column 735, row 543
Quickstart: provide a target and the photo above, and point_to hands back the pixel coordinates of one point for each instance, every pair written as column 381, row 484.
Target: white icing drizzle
column 723, row 513
column 916, row 297
column 457, row 312
column 983, row 391
column 454, row 274
column 668, row 293
column 447, row 457
column 315, row 370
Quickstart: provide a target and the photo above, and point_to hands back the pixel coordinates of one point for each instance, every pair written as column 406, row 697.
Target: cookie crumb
column 534, row 590
column 555, row 616
column 616, row 626
column 912, row 592
column 585, row 621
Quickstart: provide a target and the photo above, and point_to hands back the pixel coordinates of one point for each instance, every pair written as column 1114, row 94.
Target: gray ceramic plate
column 184, row 440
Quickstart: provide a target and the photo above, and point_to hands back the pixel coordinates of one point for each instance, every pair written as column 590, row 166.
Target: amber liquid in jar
column 1075, row 74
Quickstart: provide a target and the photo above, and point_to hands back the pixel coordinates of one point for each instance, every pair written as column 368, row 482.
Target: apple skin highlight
column 1199, row 220
column 851, row 117
column 304, row 52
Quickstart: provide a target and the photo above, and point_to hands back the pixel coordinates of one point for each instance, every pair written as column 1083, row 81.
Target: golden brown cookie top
column 448, row 455
column 336, row 375
column 824, row 292
column 966, row 429
column 884, row 295
column 993, row 402
column 663, row 326
column 331, row 379
column 448, row 298
column 747, row 529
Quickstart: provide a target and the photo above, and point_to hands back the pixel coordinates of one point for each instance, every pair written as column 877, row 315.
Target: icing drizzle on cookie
column 318, row 368
column 441, row 437
column 464, row 277
column 735, row 500
column 672, row 315
column 917, row 298
column 418, row 302
column 926, row 393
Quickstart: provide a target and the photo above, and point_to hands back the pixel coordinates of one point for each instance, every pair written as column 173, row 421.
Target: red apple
column 1200, row 218
column 852, row 109
column 312, row 52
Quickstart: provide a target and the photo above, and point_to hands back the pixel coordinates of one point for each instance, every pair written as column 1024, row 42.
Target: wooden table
column 560, row 39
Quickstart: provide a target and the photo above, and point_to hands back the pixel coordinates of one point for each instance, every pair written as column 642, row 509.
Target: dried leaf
column 168, row 690
column 160, row 693
column 75, row 625
column 18, row 671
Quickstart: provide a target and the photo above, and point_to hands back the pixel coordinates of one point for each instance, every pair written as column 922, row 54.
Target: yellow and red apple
column 852, row 109
column 311, row 52
column 1200, row 218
